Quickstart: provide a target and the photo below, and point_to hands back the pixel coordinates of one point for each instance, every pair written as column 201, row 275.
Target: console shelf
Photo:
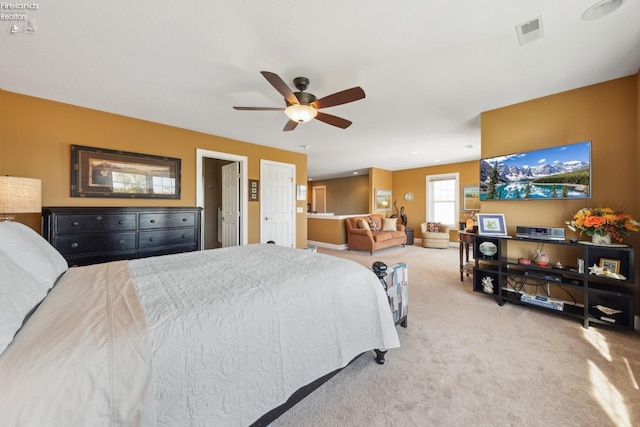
column 566, row 290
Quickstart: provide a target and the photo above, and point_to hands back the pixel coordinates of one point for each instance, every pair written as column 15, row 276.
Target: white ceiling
column 428, row 68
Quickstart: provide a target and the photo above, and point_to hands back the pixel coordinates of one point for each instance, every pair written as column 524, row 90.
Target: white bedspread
column 207, row 338
column 236, row 331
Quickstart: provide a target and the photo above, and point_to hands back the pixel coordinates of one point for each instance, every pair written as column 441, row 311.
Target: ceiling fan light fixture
column 300, row 113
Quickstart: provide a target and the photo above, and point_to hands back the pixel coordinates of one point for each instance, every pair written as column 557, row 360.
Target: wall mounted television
column 562, row 172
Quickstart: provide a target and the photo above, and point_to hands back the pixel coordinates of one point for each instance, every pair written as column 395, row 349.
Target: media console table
column 567, row 290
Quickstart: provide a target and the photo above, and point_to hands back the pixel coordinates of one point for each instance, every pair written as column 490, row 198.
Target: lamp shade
column 19, row 195
column 300, row 113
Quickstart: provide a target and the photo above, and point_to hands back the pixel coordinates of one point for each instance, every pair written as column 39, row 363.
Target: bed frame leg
column 380, row 356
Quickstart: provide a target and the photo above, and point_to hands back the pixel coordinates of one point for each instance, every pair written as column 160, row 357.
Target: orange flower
column 594, row 221
column 603, row 221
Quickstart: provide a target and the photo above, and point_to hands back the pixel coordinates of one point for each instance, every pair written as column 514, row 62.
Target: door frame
column 294, row 224
column 201, row 154
column 313, row 198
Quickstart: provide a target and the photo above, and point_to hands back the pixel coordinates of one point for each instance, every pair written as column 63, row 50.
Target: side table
column 409, row 233
column 465, row 239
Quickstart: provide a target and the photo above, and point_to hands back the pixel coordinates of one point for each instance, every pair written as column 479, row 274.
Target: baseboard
column 327, row 245
column 418, row 242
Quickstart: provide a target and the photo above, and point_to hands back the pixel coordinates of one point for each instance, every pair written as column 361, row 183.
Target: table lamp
column 19, row 195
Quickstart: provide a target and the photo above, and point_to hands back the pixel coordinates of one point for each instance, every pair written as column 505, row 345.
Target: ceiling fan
column 303, row 106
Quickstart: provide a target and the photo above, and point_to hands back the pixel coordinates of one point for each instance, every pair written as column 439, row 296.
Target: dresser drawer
column 167, row 220
column 71, row 244
column 159, row 238
column 95, row 223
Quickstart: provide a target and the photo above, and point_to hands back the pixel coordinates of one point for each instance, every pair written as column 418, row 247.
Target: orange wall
column 608, row 115
column 36, row 135
column 605, row 113
column 415, row 181
column 380, row 179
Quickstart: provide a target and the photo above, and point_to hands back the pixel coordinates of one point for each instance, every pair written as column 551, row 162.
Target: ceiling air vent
column 530, row 31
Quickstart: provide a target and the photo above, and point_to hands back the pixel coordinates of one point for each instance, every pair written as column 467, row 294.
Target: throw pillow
column 389, row 224
column 373, row 225
column 363, row 224
column 434, row 227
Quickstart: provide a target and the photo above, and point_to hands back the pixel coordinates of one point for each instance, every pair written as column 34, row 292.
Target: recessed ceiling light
column 355, row 172
column 414, row 152
column 600, row 9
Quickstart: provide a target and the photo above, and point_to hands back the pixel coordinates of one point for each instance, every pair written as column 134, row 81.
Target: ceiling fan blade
column 333, row 120
column 280, row 86
column 338, row 98
column 259, row 108
column 291, row 125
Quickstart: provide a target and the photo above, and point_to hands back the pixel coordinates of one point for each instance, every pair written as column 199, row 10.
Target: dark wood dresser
column 96, row 234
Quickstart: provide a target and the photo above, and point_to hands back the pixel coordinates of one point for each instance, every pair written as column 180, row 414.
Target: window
column 442, row 198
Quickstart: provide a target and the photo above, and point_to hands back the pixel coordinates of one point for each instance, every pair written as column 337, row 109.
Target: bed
column 216, row 337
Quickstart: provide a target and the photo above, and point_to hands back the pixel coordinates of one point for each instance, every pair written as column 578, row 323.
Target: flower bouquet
column 603, row 222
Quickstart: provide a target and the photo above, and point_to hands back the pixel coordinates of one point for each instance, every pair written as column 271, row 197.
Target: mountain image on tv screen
column 549, row 173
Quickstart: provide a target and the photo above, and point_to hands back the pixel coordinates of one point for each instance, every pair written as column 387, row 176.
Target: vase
column 597, row 239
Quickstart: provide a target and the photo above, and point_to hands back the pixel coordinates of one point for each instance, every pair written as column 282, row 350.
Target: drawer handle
column 153, row 221
column 99, row 218
column 184, row 219
column 151, row 239
column 168, row 216
column 120, row 242
column 75, row 245
column 74, row 223
column 184, row 236
column 121, row 222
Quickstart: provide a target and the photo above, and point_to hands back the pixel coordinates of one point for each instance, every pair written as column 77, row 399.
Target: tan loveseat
column 362, row 237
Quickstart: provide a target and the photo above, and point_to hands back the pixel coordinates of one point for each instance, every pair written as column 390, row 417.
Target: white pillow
column 363, row 224
column 32, row 252
column 19, row 294
column 389, row 224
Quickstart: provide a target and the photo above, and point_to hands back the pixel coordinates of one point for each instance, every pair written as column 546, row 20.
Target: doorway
column 224, row 205
column 319, row 199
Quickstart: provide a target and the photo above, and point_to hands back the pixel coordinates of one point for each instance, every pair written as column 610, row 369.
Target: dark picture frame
column 552, row 173
column 99, row 172
column 254, row 190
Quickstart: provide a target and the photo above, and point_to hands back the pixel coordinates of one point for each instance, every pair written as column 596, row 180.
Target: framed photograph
column 492, row 224
column 383, row 200
column 613, row 265
column 301, row 192
column 471, row 198
column 97, row 172
column 254, row 187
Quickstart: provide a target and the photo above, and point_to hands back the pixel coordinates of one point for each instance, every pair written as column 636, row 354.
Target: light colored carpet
column 466, row 361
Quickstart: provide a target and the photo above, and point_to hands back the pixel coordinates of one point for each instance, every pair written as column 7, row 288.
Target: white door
column 230, row 205
column 277, row 203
